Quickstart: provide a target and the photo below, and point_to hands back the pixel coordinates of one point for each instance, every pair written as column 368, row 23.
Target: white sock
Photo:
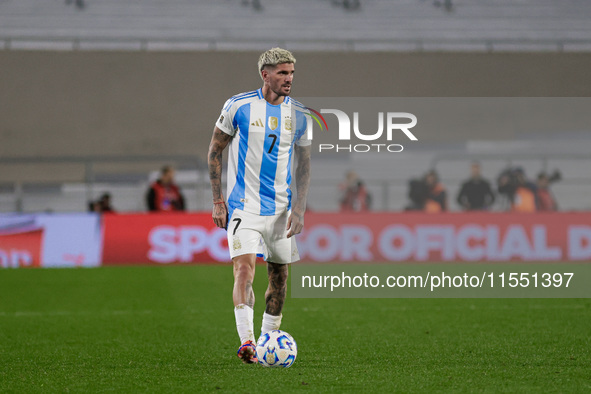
column 270, row 323
column 244, row 322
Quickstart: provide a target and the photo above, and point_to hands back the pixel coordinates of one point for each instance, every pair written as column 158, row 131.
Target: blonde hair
column 273, row 57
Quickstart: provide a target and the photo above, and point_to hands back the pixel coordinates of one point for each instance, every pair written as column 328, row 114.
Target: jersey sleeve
column 226, row 120
column 304, row 131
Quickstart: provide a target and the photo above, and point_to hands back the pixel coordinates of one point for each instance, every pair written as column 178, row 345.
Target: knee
column 243, row 270
column 278, row 272
column 283, row 274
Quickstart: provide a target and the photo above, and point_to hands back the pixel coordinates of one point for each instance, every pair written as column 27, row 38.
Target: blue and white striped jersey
column 260, row 155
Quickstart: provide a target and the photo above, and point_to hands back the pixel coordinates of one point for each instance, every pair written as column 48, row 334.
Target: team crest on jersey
column 273, row 122
column 237, row 245
column 287, row 124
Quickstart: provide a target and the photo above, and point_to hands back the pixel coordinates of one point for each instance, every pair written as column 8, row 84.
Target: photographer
column 102, row 205
column 354, row 194
column 544, row 198
column 521, row 193
column 427, row 194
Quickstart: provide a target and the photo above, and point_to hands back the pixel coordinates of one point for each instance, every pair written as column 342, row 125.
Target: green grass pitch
column 171, row 329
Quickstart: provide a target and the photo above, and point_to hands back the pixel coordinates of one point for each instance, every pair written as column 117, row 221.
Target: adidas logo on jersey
column 258, row 123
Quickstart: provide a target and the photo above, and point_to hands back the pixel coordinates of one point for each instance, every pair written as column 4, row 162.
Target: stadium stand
column 108, row 136
column 384, row 25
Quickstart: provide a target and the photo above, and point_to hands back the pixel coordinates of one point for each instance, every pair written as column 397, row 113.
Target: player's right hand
column 220, row 215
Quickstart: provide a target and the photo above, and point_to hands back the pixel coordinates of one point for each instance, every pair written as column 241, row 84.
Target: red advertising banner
column 447, row 237
column 191, row 238
column 21, row 248
column 163, row 239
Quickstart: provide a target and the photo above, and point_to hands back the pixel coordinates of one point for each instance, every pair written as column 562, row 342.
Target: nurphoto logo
column 373, row 141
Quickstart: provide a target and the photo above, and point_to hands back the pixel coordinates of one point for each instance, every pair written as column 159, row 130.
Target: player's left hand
column 295, row 223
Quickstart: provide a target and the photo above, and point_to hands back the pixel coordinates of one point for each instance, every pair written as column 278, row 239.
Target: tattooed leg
column 275, row 294
column 244, row 267
column 244, row 303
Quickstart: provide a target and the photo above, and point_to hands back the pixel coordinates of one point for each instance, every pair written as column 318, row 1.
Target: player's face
column 280, row 78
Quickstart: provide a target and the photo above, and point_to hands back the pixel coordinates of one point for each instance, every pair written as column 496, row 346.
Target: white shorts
column 267, row 235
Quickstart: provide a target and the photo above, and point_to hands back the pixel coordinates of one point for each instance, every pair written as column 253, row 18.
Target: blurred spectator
column 102, row 205
column 427, row 194
column 256, row 4
column 437, row 196
column 521, row 192
column 164, row 195
column 354, row 195
column 475, row 193
column 105, row 203
column 447, row 4
column 349, row 5
column 79, row 3
column 94, row 206
column 544, row 198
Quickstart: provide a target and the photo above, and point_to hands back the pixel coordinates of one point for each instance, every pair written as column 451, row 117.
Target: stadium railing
column 337, row 45
column 77, row 180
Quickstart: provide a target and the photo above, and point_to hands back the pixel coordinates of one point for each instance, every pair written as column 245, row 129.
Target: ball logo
column 270, row 356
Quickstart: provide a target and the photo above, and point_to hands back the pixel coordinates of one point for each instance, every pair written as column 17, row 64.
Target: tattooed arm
column 218, row 143
column 295, row 222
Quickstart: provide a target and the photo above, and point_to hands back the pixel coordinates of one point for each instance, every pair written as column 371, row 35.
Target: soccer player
column 263, row 128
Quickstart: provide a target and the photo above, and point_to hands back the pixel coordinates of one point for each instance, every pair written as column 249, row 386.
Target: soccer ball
column 276, row 349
